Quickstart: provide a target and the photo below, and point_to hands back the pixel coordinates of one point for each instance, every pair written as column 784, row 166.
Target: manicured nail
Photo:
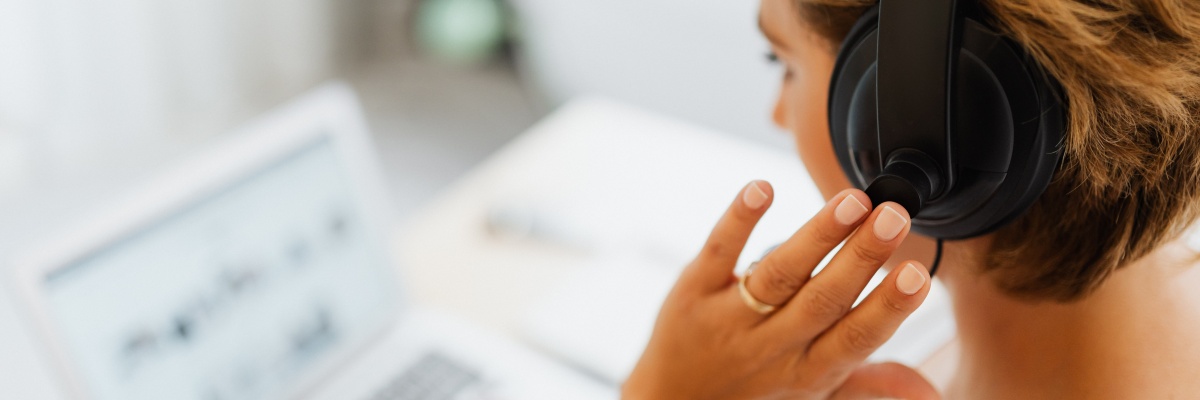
column 889, row 224
column 910, row 281
column 754, row 196
column 849, row 210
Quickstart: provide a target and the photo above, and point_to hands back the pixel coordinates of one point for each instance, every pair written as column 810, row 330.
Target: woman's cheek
column 817, row 154
column 811, row 131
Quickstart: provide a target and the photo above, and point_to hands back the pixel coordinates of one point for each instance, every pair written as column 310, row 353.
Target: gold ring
column 752, row 302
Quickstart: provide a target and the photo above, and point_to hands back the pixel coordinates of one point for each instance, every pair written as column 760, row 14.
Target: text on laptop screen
column 234, row 296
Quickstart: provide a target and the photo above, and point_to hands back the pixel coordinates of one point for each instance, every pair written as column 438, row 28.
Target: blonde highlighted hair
column 1130, row 176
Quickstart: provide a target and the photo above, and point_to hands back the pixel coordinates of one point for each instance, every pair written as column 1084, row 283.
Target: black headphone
column 932, row 109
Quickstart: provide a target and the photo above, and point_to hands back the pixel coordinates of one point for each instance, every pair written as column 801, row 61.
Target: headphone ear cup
column 1006, row 125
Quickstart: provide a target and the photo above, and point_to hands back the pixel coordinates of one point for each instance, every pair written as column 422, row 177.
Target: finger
column 873, row 322
column 780, row 274
column 713, row 268
column 886, row 381
column 830, row 294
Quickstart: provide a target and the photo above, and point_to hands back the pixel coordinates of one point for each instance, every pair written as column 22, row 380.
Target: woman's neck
column 1135, row 334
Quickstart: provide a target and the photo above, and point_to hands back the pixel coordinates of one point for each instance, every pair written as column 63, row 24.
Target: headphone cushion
column 1005, row 129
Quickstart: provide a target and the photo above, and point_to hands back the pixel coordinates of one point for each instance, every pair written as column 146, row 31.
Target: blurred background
column 654, row 112
column 95, row 93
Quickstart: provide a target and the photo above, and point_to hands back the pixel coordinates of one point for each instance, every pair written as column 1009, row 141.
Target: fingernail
column 754, row 196
column 910, row 281
column 849, row 210
column 889, row 224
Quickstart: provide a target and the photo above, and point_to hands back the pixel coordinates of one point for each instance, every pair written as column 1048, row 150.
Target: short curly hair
column 1130, row 176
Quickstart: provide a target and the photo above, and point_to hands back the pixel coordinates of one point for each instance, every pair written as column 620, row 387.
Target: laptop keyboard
column 433, row 377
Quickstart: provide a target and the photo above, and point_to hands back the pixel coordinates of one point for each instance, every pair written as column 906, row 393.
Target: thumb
column 886, row 380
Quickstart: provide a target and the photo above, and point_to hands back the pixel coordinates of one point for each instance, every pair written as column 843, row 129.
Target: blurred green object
column 461, row 31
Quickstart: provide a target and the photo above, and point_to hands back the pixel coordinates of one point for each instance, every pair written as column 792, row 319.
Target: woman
column 1090, row 294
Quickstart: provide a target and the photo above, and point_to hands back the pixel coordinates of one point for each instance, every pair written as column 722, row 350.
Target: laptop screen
column 235, row 296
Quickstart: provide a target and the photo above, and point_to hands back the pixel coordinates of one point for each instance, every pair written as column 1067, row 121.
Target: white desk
column 620, row 181
column 607, row 173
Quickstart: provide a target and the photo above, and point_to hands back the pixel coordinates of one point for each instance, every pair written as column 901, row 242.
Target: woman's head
column 1130, row 178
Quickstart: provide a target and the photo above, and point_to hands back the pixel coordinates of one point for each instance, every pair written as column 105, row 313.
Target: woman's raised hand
column 782, row 332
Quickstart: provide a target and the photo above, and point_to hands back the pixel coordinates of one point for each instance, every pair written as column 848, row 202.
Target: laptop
column 262, row 271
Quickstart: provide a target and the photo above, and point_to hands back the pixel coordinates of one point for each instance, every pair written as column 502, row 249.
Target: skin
column 708, row 344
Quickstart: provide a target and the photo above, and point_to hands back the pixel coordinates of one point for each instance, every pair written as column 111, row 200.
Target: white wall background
column 81, row 80
column 703, row 60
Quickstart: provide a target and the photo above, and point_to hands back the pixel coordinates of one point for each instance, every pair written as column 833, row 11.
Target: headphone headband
column 916, row 66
